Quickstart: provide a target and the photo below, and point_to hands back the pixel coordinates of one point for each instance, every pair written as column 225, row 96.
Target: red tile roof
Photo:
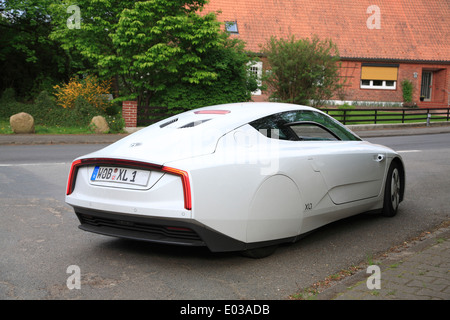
column 409, row 29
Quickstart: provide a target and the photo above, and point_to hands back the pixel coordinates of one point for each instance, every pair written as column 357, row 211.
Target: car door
column 352, row 169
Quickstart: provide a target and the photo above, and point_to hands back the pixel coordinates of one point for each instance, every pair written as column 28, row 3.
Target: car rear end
column 130, row 190
column 109, row 194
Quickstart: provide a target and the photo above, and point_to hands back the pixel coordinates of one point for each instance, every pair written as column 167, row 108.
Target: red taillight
column 72, row 176
column 186, row 185
column 137, row 164
column 212, row 112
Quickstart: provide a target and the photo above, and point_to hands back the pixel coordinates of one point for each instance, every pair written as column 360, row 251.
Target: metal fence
column 394, row 115
column 147, row 116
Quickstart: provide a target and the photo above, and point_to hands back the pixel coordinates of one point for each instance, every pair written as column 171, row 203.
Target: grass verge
column 5, row 128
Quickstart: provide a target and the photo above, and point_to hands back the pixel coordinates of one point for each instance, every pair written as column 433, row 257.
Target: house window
column 379, row 84
column 231, row 26
column 256, row 68
column 382, row 77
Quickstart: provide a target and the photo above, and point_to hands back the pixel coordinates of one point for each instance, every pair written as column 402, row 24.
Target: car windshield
column 303, row 125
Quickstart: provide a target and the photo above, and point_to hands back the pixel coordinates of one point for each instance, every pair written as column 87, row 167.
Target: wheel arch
column 276, row 217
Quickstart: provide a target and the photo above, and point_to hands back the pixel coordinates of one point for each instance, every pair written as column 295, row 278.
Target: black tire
column 259, row 253
column 392, row 191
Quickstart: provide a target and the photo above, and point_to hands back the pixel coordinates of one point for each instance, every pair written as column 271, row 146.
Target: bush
column 46, row 112
column 6, row 103
column 116, row 123
column 303, row 71
column 234, row 82
column 85, row 99
column 9, row 95
column 83, row 112
column 90, row 89
column 407, row 88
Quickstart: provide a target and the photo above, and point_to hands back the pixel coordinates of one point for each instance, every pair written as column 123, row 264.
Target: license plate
column 120, row 175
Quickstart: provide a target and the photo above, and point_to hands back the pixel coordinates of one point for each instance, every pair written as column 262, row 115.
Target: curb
column 41, row 139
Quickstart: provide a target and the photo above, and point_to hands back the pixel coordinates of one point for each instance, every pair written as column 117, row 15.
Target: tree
column 29, row 60
column 234, row 82
column 161, row 43
column 303, row 71
column 150, row 46
column 92, row 38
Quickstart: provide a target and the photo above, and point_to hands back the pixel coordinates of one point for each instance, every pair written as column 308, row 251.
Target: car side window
column 309, row 131
column 272, row 127
column 303, row 125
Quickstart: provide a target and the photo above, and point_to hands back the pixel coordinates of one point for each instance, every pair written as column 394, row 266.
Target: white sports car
column 234, row 177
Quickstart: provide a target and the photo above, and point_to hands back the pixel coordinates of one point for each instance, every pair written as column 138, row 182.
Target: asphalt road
column 40, row 239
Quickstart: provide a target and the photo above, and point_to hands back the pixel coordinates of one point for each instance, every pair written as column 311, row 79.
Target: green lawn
column 6, row 129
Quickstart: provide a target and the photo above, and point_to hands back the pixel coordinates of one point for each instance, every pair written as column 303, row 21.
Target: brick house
column 380, row 42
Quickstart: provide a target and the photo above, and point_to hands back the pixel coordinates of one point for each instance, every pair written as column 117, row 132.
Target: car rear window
column 193, row 123
column 193, row 119
column 281, row 122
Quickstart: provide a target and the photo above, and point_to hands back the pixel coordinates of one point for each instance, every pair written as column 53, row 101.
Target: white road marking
column 33, row 164
column 409, row 151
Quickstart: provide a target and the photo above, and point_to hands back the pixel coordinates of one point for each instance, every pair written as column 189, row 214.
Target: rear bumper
column 185, row 232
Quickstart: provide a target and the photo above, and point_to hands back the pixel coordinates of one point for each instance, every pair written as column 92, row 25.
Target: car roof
column 192, row 133
column 229, row 116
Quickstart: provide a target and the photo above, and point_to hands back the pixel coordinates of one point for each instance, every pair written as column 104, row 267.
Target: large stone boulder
column 22, row 123
column 99, row 124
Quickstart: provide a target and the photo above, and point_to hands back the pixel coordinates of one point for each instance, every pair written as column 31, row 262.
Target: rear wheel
column 259, row 253
column 392, row 191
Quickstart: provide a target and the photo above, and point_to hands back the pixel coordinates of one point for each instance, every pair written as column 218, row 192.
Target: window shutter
column 379, row 73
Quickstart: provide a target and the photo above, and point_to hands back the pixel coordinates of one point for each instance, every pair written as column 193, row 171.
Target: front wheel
column 392, row 191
